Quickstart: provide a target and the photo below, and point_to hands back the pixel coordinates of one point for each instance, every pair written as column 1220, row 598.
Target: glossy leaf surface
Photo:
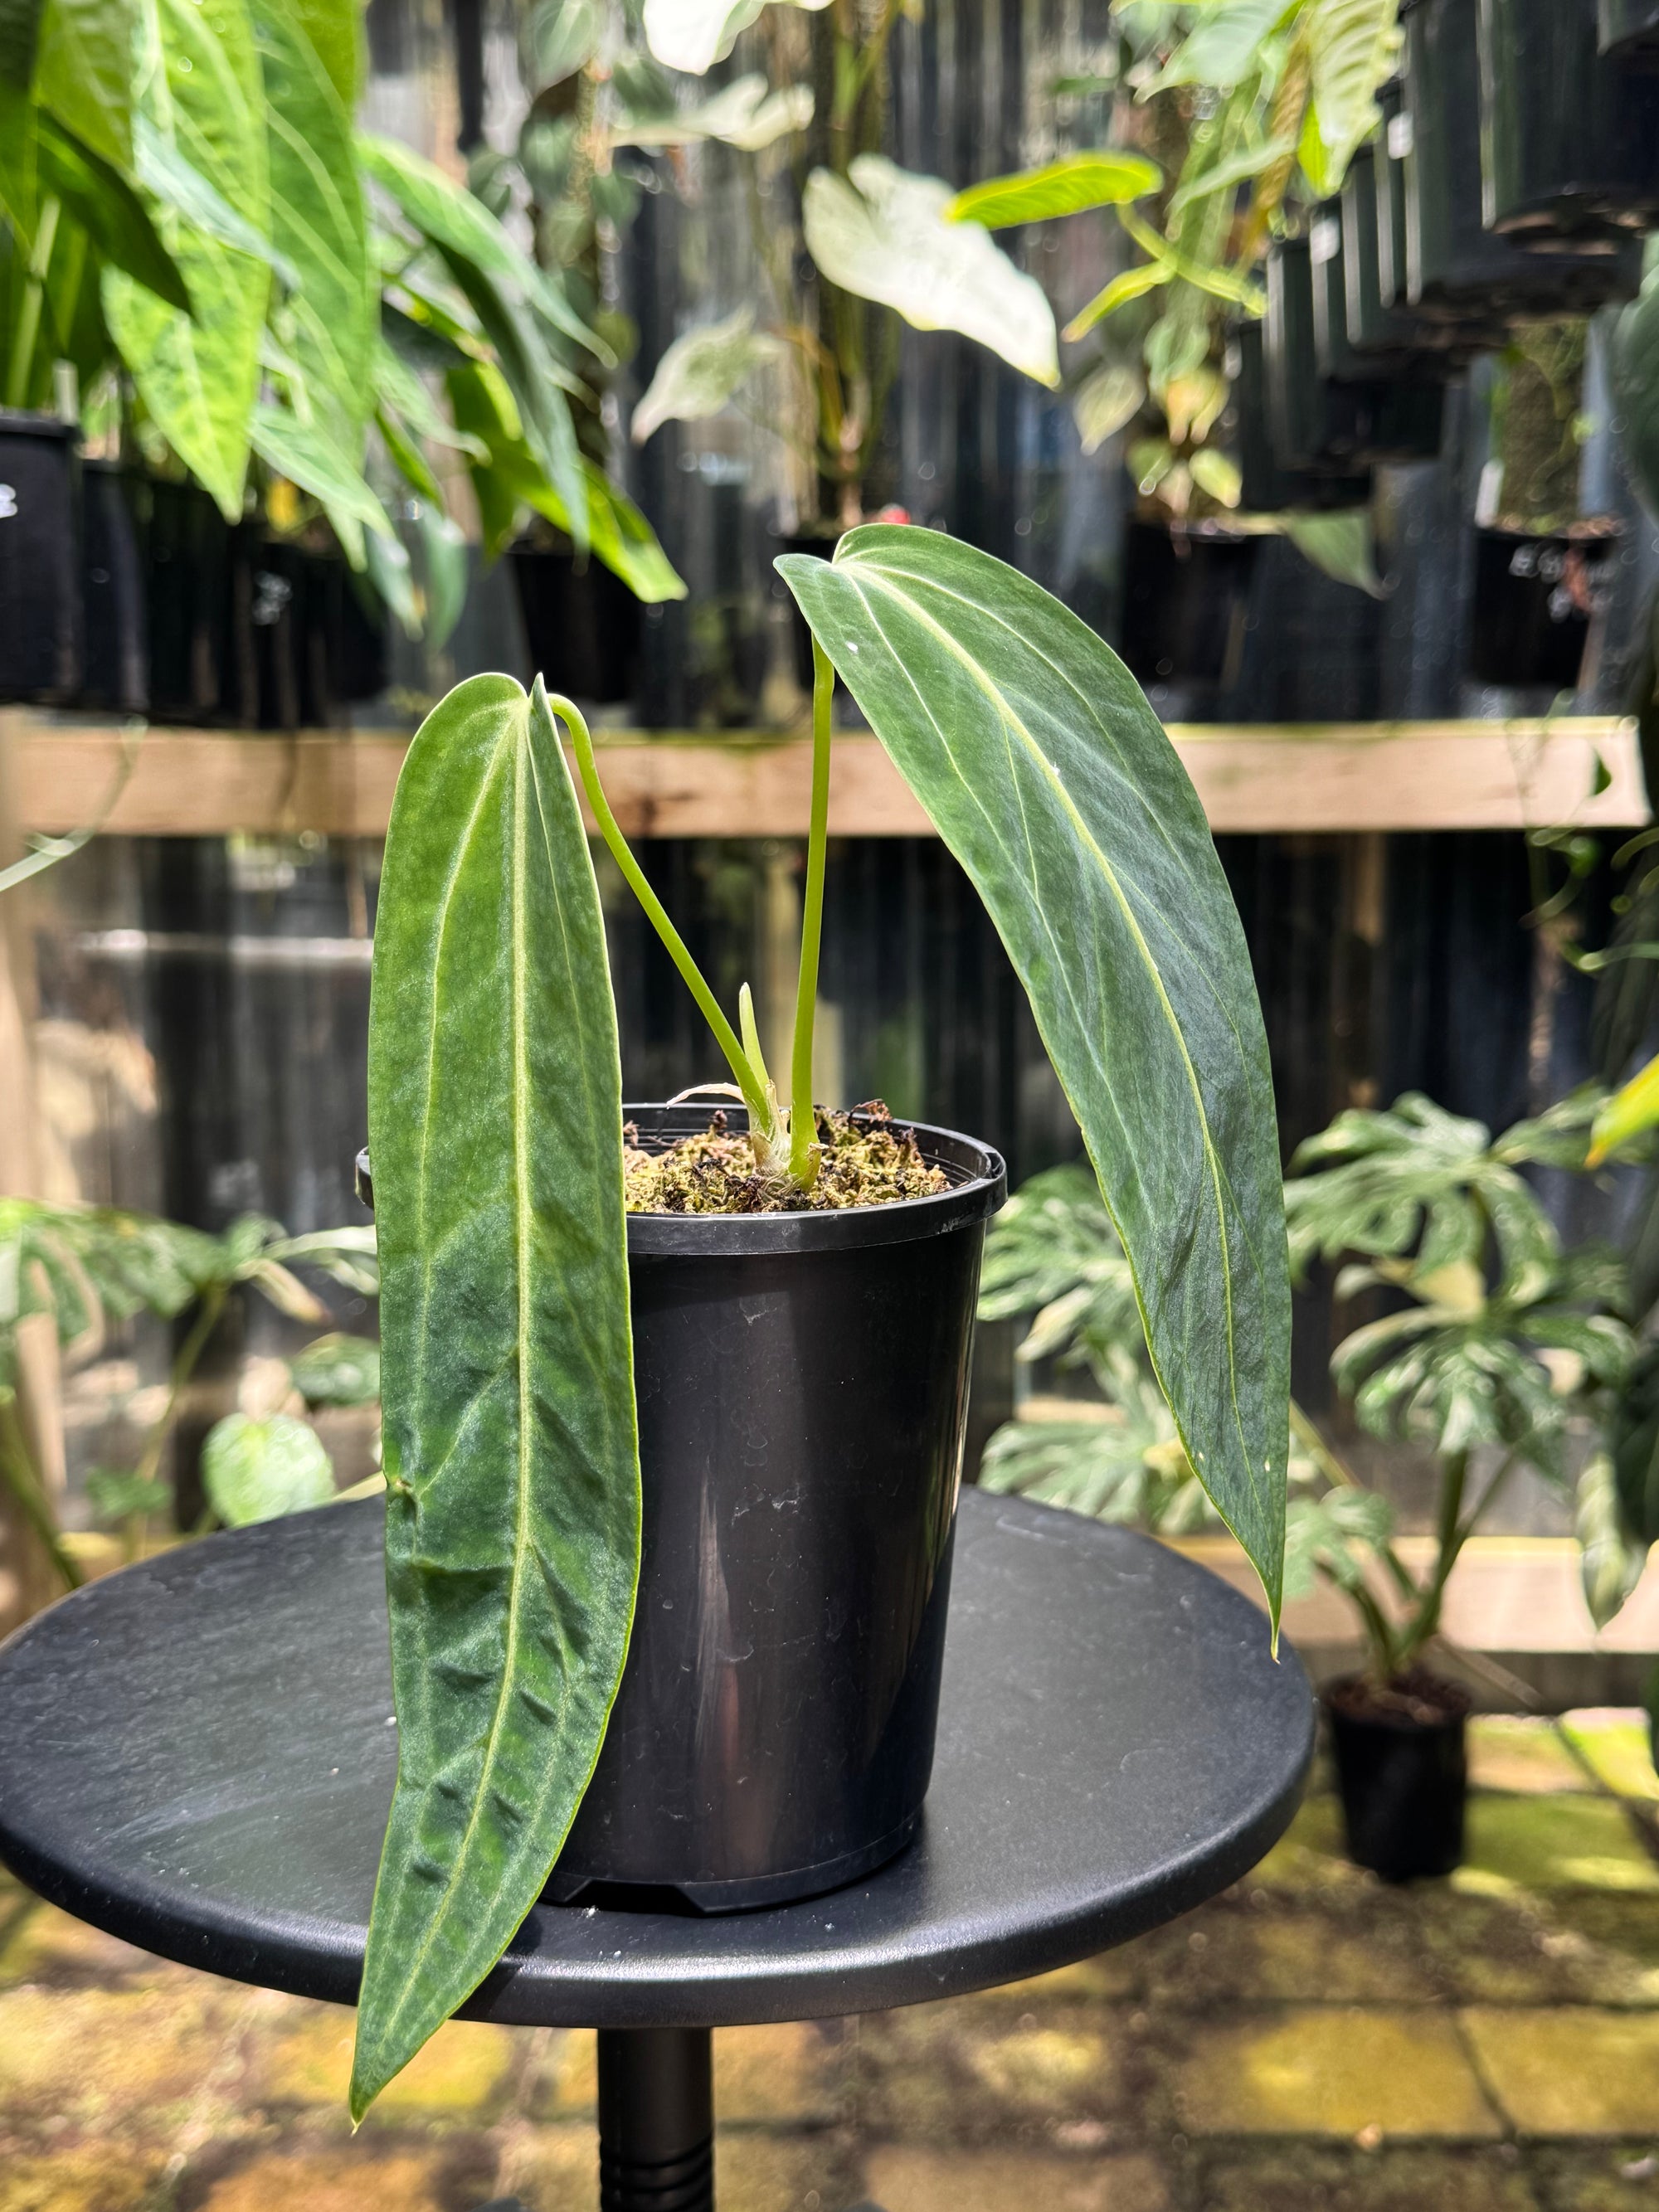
column 1045, row 771
column 513, row 1501
column 198, row 375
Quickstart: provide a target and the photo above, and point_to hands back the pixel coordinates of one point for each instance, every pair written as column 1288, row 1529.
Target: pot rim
column 1383, row 1723
column 979, row 1188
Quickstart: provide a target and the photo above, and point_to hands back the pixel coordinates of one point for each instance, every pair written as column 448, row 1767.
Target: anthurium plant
column 496, row 1122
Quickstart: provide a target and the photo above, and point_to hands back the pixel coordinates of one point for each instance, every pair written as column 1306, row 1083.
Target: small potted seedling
column 1500, row 1350
column 673, row 1405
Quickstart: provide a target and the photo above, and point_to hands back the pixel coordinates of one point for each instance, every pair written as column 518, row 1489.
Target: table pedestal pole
column 656, row 2119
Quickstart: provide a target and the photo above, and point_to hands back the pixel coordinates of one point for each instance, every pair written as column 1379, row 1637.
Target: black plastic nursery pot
column 1628, row 31
column 1535, row 599
column 1373, row 331
column 1267, row 486
column 802, row 1387
column 1403, row 1779
column 581, row 623
column 1316, row 421
column 1569, row 139
column 40, row 560
column 115, row 672
column 1454, row 267
column 1186, row 595
column 191, row 653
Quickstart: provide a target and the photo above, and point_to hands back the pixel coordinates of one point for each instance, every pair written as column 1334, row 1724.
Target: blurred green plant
column 1502, row 1352
column 1234, row 101
column 197, row 243
column 82, row 1268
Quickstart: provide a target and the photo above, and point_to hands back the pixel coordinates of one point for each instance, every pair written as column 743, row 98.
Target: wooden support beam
column 1348, row 777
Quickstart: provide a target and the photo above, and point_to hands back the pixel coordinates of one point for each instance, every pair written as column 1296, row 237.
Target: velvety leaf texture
column 512, row 1499
column 1048, row 774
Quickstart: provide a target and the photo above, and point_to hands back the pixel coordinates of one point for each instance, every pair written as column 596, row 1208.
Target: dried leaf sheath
column 513, row 1512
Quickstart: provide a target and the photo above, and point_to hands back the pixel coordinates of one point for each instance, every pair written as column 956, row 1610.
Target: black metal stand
column 656, row 2119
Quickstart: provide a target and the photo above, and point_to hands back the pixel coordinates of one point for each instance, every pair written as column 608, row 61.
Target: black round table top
column 197, row 1754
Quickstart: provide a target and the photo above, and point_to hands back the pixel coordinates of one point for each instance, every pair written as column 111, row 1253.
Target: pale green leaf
column 1106, row 399
column 306, row 454
column 108, row 209
column 1340, row 544
column 386, row 562
column 702, row 371
column 744, row 114
column 564, row 37
column 337, row 1370
column 259, row 1470
column 1068, row 186
column 83, row 72
column 1047, row 775
column 1217, row 473
column 198, row 375
column 883, row 233
column 1353, row 46
column 443, row 542
column 1610, row 1561
column 512, row 1486
column 318, row 222
column 1224, row 45
column 169, row 177
column 692, row 35
column 1235, row 169
column 1129, row 284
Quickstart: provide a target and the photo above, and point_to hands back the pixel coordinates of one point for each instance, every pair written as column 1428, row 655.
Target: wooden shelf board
column 1345, row 777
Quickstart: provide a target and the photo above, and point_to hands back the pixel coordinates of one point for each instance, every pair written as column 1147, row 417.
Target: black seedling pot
column 115, row 672
column 1267, row 486
column 192, row 654
column 1186, row 594
column 802, row 1387
column 1317, row 423
column 1375, row 331
column 347, row 613
column 1404, row 1784
column 1569, row 139
column 582, row 624
column 1628, row 31
column 40, row 560
column 1535, row 599
column 1455, row 268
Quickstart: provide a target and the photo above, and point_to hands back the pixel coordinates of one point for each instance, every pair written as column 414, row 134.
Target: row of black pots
column 131, row 594
column 1188, row 598
column 1576, row 200
column 802, row 1387
column 1335, row 414
column 581, row 623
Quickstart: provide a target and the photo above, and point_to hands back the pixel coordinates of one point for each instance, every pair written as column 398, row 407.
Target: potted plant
column 1505, row 1353
column 1569, row 138
column 1541, row 570
column 1318, row 417
column 579, row 1315
column 1455, row 268
column 1506, row 1350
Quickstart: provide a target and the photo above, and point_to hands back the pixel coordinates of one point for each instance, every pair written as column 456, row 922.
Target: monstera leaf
column 513, row 1483
column 1035, row 754
column 887, row 236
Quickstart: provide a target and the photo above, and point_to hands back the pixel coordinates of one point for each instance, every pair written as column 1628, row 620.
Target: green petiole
column 789, row 1139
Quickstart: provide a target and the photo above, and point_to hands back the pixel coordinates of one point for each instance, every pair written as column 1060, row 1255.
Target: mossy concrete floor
column 1310, row 2041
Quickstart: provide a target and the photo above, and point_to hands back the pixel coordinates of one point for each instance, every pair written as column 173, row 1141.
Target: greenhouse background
column 1381, row 546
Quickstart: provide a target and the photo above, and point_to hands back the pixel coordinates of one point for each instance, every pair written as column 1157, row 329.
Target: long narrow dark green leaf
column 512, row 1501
column 198, row 375
column 83, row 72
column 109, row 210
column 318, row 220
column 1045, row 771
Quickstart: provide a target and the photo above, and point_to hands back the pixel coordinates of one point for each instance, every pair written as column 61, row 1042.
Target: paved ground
column 1311, row 2042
